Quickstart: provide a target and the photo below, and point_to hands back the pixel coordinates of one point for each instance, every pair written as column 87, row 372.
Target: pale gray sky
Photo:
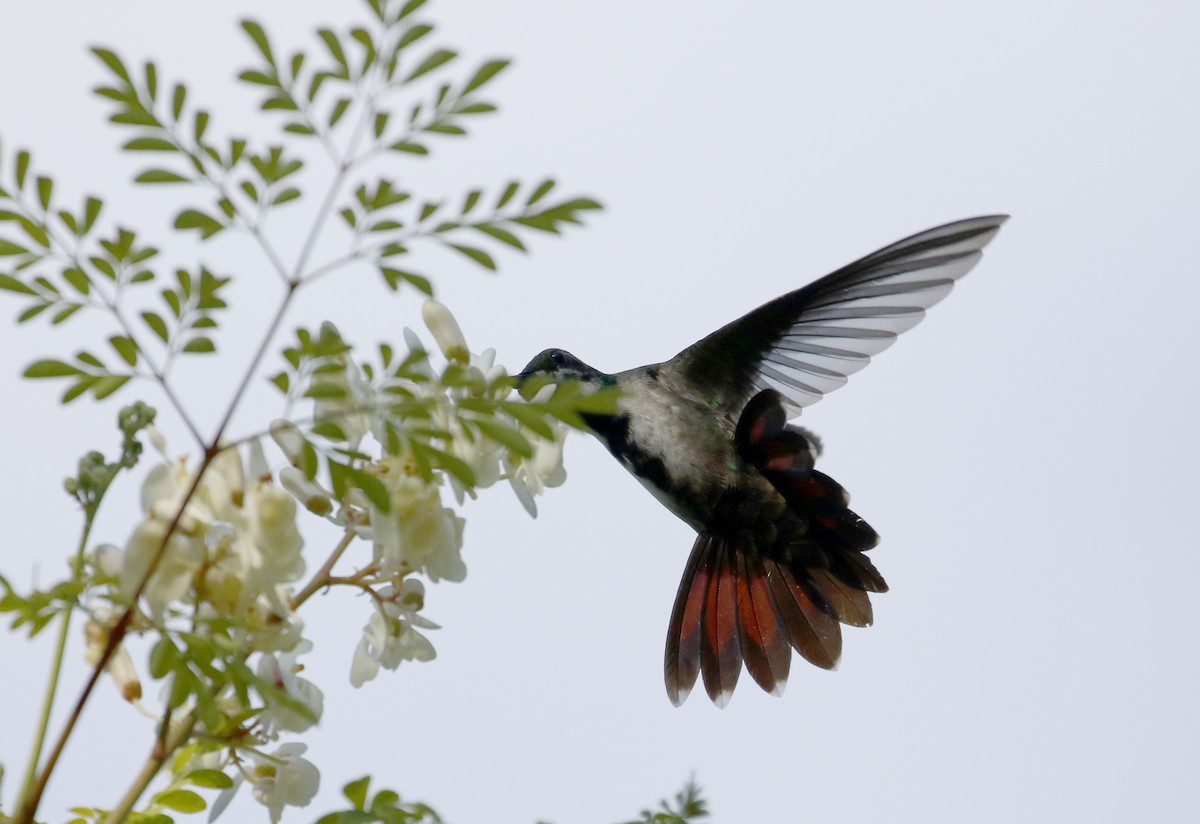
column 1028, row 453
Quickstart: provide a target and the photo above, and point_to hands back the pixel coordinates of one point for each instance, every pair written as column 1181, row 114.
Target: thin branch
column 159, row 754
column 60, row 649
column 321, row 578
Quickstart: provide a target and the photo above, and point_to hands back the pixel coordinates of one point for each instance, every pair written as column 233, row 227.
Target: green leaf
column 506, row 436
column 410, row 147
column 381, row 121
column 412, row 36
column 92, row 209
column 157, row 325
column 7, row 247
column 201, row 126
column 326, row 389
column 164, row 657
column 485, row 73
column 330, row 430
column 160, row 176
column 78, row 280
column 150, row 144
column 257, row 78
column 540, row 192
column 126, row 348
column 177, row 100
column 356, row 792
column 439, row 58
column 509, row 191
column 210, row 779
column 82, row 384
column 446, row 129
column 478, row 255
column 193, row 219
column 184, row 801
column 285, row 196
column 45, row 187
column 532, row 419
column 151, row 80
column 65, row 312
column 108, row 384
column 369, row 51
column 409, row 7
column 475, row 108
column 372, row 487
column 394, row 276
column 502, row 235
column 256, row 33
column 23, row 158
column 113, row 62
column 454, row 465
column 50, row 369
column 335, row 49
column 339, row 109
column 348, row 817
column 89, row 359
column 10, row 284
column 200, row 346
column 32, row 312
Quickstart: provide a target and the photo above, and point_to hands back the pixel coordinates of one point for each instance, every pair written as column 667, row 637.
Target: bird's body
column 656, row 414
column 779, row 558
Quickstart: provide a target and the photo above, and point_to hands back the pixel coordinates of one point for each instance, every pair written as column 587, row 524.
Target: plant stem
column 159, row 754
column 39, row 738
column 32, row 795
column 33, row 798
column 321, row 578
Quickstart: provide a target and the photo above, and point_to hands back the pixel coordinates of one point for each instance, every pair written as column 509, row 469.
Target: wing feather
column 808, row 342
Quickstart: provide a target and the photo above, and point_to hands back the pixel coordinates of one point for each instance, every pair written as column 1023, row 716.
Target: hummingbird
column 779, row 560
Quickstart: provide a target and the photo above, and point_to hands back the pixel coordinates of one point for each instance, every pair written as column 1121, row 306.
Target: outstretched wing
column 807, row 342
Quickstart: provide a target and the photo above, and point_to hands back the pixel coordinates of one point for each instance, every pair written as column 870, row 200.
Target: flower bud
column 445, row 331
column 289, row 439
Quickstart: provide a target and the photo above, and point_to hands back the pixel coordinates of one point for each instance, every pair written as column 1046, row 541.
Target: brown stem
column 161, row 751
column 322, row 578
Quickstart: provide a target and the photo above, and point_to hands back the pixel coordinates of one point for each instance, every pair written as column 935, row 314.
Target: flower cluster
column 407, row 522
column 209, row 567
column 229, row 552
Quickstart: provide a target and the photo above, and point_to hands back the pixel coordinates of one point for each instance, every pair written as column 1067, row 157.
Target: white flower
column 289, row 439
column 269, row 541
column 284, row 779
column 390, row 636
column 120, row 665
column 243, row 538
column 445, row 331
column 107, row 559
column 281, row 672
column 315, row 498
column 531, row 476
column 419, row 533
column 181, row 560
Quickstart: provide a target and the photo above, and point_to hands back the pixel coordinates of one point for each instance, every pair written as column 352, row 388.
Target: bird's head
column 557, row 364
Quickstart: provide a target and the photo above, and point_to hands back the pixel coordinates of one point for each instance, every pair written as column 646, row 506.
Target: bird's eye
column 557, row 357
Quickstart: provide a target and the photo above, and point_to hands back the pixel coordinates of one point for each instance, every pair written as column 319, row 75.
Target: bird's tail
column 751, row 595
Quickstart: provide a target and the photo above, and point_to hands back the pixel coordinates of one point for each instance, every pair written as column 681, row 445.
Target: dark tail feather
column 720, row 650
column 683, row 634
column 849, row 605
column 763, row 637
column 814, row 633
column 740, row 601
column 734, row 605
